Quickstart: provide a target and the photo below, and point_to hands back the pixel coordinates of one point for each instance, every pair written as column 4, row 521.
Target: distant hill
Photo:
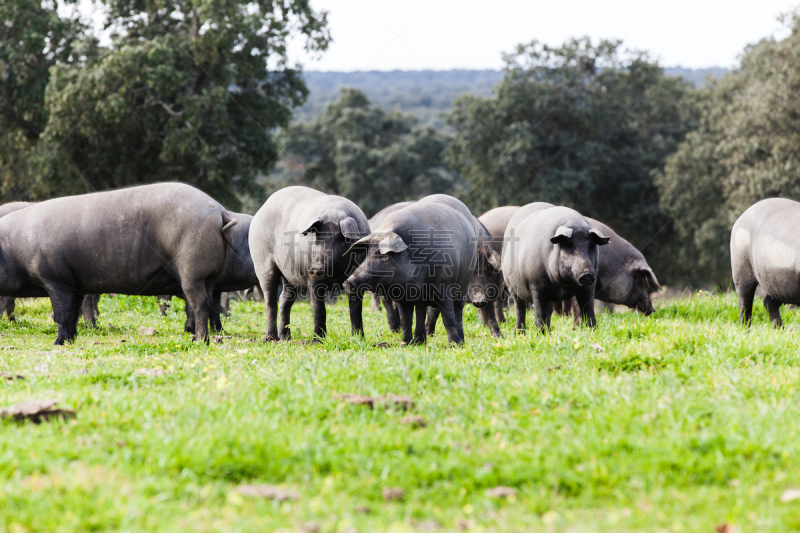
column 696, row 76
column 426, row 94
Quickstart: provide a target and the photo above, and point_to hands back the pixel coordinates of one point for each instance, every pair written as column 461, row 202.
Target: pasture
column 682, row 421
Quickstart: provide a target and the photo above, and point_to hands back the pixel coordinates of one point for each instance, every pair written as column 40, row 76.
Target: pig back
column 378, row 218
column 437, row 236
column 140, row 239
column 10, row 207
column 496, row 221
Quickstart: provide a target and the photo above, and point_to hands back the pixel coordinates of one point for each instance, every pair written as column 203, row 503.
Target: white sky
column 473, row 34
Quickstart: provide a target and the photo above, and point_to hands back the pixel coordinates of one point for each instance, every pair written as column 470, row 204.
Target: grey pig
column 550, row 254
column 302, row 237
column 420, row 256
column 149, row 240
column 765, row 251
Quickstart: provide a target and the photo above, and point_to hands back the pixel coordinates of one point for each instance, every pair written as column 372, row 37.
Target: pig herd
column 422, row 259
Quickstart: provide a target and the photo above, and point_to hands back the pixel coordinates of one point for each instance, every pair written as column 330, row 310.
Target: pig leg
column 746, row 293
column 7, row 305
column 216, row 310
column 392, row 315
column 406, row 312
column 356, row 305
column 487, row 314
column 458, row 309
column 420, row 336
column 188, row 326
column 87, row 310
column 774, row 309
column 288, row 297
column 66, row 310
column 521, row 309
column 198, row 300
column 269, row 284
column 585, row 300
column 455, row 333
column 320, row 315
column 543, row 309
column 433, row 316
column 498, row 310
column 77, row 304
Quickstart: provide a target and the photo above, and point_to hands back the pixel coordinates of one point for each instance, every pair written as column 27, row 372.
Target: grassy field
column 681, row 421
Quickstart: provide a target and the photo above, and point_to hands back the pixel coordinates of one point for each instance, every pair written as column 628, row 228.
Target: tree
column 35, row 38
column 190, row 90
column 366, row 154
column 580, row 125
column 747, row 148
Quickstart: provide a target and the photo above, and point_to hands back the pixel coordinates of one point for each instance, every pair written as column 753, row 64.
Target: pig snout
column 355, row 284
column 317, row 271
column 646, row 307
column 349, row 287
column 479, row 303
column 586, row 279
column 477, row 296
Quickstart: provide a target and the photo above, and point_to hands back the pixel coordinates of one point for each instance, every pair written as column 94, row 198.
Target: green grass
column 681, row 421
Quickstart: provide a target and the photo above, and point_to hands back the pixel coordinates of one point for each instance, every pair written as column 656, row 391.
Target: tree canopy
column 35, row 38
column 582, row 125
column 371, row 156
column 189, row 90
column 747, row 148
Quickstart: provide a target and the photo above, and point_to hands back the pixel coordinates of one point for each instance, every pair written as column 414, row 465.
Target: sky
column 473, row 34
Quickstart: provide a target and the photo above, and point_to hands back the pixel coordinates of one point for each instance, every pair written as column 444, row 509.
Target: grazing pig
column 550, row 254
column 303, row 237
column 765, row 253
column 623, row 275
column 495, row 221
column 486, row 285
column 149, row 240
column 422, row 255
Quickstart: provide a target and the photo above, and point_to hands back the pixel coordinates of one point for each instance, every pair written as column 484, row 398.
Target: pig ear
column 392, row 242
column 349, row 228
column 360, row 243
column 314, row 226
column 597, row 237
column 647, row 273
column 495, row 261
column 563, row 233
